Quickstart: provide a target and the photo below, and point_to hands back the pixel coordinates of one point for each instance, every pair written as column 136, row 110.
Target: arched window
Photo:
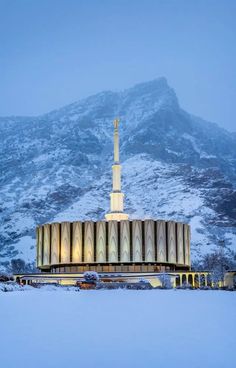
column 190, row 280
column 184, row 280
column 196, row 280
column 177, row 280
column 208, row 279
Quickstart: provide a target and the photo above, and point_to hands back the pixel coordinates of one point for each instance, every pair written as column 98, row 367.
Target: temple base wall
column 116, row 268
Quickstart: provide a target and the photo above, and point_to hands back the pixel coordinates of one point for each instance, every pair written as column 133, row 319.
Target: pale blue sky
column 54, row 52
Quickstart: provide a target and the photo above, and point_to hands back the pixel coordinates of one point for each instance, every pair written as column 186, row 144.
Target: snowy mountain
column 175, row 166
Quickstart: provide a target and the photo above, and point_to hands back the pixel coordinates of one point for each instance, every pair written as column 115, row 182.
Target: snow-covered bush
column 91, row 276
column 57, row 287
column 13, row 286
column 144, row 281
column 186, row 285
column 124, row 285
column 165, row 280
column 4, row 277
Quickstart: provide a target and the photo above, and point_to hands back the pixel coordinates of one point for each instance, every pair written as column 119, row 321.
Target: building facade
column 113, row 246
column 116, row 244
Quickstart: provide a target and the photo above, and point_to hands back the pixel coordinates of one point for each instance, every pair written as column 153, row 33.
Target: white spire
column 116, row 196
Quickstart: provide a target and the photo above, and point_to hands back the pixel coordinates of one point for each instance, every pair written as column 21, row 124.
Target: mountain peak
column 160, row 82
column 155, row 92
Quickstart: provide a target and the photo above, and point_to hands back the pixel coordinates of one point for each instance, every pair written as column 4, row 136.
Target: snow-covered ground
column 119, row 328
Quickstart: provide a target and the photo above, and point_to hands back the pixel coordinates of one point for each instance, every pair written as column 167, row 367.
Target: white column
column 116, row 141
column 116, row 196
column 116, row 182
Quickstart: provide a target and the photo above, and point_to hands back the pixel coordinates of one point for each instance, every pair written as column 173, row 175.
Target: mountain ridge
column 62, row 160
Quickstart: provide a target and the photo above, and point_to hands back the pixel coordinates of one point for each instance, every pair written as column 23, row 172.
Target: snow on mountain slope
column 175, row 166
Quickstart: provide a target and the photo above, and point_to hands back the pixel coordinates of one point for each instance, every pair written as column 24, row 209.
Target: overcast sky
column 54, row 52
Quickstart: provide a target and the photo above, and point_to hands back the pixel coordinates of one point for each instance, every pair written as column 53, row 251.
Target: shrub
column 165, row 280
column 5, row 277
column 91, row 276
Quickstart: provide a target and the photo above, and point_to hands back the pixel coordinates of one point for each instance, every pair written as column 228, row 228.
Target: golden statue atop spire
column 116, row 123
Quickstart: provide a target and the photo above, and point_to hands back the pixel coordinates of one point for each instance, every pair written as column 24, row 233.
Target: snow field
column 118, row 328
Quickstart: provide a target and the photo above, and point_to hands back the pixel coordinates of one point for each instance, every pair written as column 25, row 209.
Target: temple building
column 116, row 243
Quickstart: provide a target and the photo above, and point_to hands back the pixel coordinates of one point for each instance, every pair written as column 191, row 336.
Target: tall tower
column 116, row 196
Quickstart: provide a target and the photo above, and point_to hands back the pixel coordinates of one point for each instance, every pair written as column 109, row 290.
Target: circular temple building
column 116, row 244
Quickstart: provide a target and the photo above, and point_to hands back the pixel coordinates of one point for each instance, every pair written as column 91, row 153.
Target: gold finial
column 116, row 123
